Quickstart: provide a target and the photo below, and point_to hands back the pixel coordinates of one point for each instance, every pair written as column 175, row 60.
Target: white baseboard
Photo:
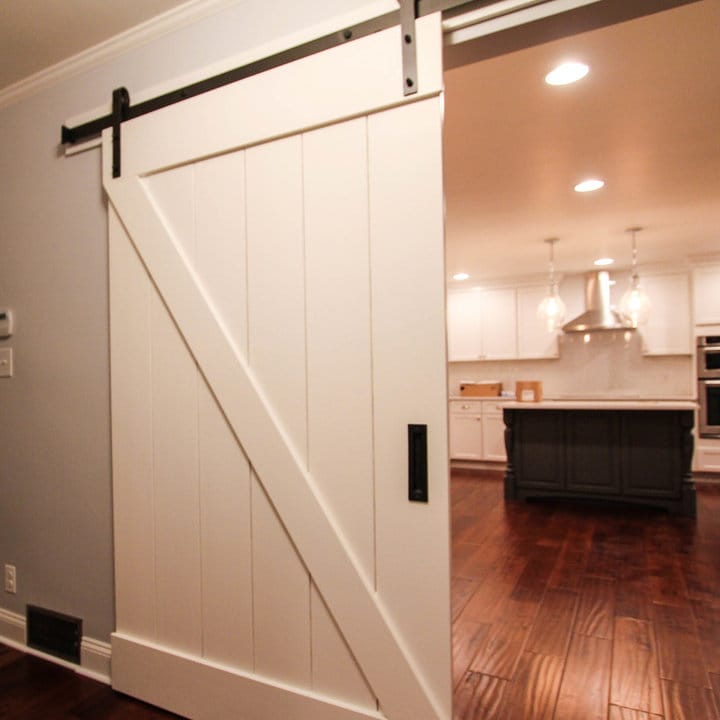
column 94, row 654
column 12, row 627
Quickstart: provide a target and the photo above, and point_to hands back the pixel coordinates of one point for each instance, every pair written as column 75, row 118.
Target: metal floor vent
column 54, row 633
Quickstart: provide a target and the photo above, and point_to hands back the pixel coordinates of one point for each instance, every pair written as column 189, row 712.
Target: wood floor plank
column 586, row 681
column 493, row 593
column 550, row 633
column 715, row 682
column 635, row 679
column 533, row 580
column 462, row 590
column 632, row 598
column 500, row 650
column 666, row 582
column 596, row 607
column 533, row 693
column 479, row 696
column 467, row 639
column 685, row 702
column 621, row 713
column 707, row 617
column 570, row 567
column 678, row 645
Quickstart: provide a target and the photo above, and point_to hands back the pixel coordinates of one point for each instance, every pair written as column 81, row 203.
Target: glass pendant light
column 551, row 310
column 635, row 304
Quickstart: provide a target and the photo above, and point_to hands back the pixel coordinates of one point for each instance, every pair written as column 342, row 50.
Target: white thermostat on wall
column 6, row 323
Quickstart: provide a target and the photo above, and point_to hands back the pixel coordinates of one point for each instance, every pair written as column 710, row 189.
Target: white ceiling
column 646, row 120
column 35, row 34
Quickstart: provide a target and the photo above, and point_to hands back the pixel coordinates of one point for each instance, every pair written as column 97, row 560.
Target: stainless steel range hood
column 598, row 315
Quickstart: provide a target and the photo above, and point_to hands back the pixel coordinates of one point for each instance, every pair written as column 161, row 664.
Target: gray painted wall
column 55, row 461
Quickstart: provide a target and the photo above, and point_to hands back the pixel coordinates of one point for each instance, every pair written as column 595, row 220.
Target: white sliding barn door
column 277, row 321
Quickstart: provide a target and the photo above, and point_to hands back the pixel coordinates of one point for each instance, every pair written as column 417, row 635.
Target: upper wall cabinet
column 497, row 324
column 464, row 325
column 668, row 329
column 706, row 285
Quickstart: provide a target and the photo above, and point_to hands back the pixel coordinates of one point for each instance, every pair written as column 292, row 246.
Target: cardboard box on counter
column 528, row 390
column 480, row 389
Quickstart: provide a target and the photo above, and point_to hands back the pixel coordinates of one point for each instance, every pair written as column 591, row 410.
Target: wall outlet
column 10, row 579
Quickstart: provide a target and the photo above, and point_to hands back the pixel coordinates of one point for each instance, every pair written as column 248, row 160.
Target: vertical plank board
column 221, row 247
column 225, row 521
column 334, row 670
column 177, row 502
column 338, row 330
column 282, row 609
column 586, row 681
column 133, row 490
column 276, row 283
column 409, row 370
column 224, row 469
column 276, row 353
column 340, row 451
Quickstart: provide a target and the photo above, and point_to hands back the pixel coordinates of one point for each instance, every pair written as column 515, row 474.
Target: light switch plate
column 6, row 362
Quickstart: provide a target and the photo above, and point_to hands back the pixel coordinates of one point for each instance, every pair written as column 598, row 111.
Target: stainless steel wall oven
column 708, row 366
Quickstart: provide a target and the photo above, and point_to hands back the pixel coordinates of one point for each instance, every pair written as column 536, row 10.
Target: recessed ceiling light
column 589, row 185
column 460, row 276
column 601, row 262
column 568, row 72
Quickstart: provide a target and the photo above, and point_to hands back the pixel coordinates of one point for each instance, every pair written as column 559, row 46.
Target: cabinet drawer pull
column 465, row 407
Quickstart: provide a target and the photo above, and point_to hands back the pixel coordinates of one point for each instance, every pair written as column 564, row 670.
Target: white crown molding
column 167, row 22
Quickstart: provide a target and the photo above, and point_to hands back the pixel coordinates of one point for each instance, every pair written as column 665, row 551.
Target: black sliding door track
column 85, row 131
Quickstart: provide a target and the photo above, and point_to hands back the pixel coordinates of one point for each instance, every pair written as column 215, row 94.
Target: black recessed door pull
column 417, row 463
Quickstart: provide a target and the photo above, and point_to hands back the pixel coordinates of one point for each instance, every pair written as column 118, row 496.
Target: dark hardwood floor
column 35, row 689
column 560, row 612
column 572, row 612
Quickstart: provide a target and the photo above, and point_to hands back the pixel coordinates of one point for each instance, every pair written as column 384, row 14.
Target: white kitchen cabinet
column 464, row 325
column 499, row 324
column 466, row 442
column 477, row 431
column 493, row 432
column 706, row 294
column 668, row 329
column 482, row 324
column 533, row 338
column 707, row 456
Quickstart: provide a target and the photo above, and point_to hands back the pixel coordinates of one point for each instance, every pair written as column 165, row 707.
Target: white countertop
column 609, row 404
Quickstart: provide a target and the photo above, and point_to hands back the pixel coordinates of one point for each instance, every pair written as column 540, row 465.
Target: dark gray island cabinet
column 637, row 452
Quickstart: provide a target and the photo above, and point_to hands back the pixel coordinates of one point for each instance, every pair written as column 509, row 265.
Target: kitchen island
column 629, row 451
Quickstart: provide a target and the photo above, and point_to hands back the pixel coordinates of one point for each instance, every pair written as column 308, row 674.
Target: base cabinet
column 477, row 430
column 631, row 456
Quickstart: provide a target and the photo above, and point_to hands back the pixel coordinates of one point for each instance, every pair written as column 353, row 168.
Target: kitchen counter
column 610, row 404
column 627, row 450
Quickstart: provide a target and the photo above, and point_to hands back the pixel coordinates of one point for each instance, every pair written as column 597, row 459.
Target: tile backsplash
column 611, row 364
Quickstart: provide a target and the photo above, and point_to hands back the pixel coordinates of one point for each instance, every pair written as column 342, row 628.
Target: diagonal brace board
column 358, row 610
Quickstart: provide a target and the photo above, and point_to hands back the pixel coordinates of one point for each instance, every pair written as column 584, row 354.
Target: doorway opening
column 644, row 120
